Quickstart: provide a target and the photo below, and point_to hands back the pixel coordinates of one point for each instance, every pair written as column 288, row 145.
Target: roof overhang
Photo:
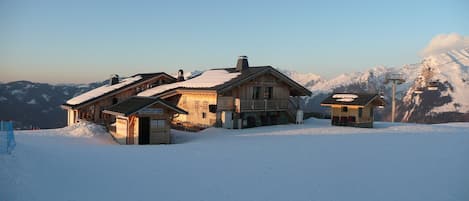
column 182, row 90
column 114, row 113
column 341, row 105
column 375, row 101
column 66, row 107
column 302, row 91
column 156, row 101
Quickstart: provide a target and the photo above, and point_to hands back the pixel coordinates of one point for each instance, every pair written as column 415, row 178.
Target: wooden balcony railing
column 263, row 105
column 243, row 105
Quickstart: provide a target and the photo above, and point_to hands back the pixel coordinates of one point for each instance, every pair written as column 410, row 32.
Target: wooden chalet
column 89, row 106
column 238, row 97
column 352, row 109
column 142, row 120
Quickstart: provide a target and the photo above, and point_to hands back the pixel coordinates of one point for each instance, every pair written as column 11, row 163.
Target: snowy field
column 311, row 162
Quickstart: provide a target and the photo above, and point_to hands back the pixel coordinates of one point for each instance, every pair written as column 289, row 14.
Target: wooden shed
column 350, row 109
column 142, row 120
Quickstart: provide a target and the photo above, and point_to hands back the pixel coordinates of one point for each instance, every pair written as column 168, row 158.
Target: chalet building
column 238, row 97
column 352, row 109
column 142, row 120
column 89, row 106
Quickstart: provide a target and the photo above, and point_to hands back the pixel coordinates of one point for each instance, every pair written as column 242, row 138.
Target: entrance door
column 227, row 119
column 143, row 130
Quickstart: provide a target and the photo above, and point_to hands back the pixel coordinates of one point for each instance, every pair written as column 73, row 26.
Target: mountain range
column 435, row 90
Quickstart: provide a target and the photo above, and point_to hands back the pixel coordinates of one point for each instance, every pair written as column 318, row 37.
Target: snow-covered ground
column 314, row 161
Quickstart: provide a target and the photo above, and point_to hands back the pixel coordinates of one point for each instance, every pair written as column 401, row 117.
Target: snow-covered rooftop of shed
column 345, row 96
column 102, row 90
column 345, row 100
column 207, row 79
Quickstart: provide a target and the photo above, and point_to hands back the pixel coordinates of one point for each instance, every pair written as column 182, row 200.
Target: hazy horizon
column 86, row 41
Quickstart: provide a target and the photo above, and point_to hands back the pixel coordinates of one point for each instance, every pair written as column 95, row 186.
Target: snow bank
column 313, row 161
column 82, row 129
column 208, row 79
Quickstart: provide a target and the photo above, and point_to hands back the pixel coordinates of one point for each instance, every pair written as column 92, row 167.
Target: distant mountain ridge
column 37, row 105
column 450, row 70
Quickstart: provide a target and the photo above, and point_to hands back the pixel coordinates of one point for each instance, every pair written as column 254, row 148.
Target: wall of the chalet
column 245, row 91
column 196, row 103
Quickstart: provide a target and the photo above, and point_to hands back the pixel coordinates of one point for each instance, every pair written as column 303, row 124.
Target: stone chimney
column 114, row 79
column 180, row 75
column 242, row 63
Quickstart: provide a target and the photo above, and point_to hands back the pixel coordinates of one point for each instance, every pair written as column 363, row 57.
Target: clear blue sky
column 84, row 41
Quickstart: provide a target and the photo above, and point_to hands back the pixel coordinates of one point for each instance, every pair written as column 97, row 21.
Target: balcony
column 263, row 105
column 246, row 105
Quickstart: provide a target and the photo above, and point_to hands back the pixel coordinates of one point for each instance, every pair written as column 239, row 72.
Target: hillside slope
column 37, row 105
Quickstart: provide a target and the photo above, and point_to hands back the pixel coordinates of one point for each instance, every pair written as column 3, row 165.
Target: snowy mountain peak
column 305, row 79
column 447, row 72
column 441, row 86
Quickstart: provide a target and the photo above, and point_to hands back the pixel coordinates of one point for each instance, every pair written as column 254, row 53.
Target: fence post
column 7, row 138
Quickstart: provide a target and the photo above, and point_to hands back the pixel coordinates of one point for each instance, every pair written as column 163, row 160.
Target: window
column 212, row 108
column 204, row 115
column 256, row 91
column 344, row 109
column 268, row 92
column 114, row 101
column 205, row 105
column 360, row 112
column 196, row 105
column 158, row 123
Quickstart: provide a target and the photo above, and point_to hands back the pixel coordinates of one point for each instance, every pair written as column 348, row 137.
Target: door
column 227, row 119
column 144, row 130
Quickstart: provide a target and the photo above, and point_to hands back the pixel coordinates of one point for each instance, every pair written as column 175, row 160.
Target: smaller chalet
column 352, row 109
column 89, row 105
column 142, row 120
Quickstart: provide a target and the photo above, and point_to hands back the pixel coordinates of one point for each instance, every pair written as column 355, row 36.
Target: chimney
column 114, row 79
column 180, row 75
column 242, row 63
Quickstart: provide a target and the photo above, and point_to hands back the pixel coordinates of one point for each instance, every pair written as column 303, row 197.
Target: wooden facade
column 197, row 103
column 257, row 102
column 262, row 100
column 92, row 110
column 356, row 116
column 355, row 112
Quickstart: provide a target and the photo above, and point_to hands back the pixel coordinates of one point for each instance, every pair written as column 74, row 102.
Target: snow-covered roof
column 102, row 90
column 207, row 79
column 345, row 96
column 360, row 99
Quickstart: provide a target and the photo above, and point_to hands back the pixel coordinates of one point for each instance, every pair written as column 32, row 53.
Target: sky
column 86, row 41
